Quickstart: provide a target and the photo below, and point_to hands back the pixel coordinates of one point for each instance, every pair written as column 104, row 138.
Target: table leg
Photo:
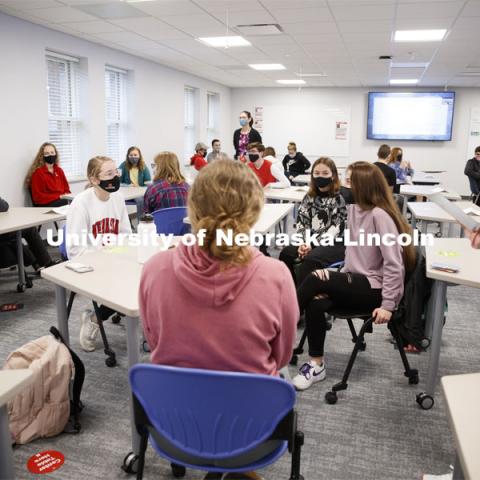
column 21, row 265
column 451, row 226
column 133, row 358
column 404, row 208
column 457, row 469
column 414, row 222
column 7, row 470
column 62, row 317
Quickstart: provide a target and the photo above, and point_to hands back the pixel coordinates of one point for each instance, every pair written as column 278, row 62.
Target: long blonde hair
column 167, row 168
column 370, row 190
column 94, row 168
column 225, row 196
column 38, row 161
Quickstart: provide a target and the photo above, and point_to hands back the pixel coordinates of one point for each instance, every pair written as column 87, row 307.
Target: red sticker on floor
column 46, row 462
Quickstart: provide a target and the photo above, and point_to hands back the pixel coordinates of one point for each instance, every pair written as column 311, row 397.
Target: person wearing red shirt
column 268, row 174
column 198, row 160
column 46, row 180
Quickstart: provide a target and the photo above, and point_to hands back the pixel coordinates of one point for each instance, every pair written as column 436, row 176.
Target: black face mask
column 133, row 160
column 253, row 157
column 50, row 159
column 399, row 157
column 111, row 185
column 322, row 182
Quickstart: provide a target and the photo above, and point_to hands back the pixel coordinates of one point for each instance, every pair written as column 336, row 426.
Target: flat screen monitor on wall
column 410, row 115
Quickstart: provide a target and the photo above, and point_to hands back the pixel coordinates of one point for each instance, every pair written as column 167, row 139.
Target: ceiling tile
column 62, row 15
column 162, row 8
column 127, row 39
column 376, row 26
column 295, row 15
column 357, row 12
column 429, row 9
column 149, row 27
column 97, row 26
column 26, row 5
column 110, row 11
column 219, row 6
column 250, row 17
column 310, row 28
column 472, row 9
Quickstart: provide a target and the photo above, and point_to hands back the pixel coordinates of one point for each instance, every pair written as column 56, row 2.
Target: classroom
column 240, row 239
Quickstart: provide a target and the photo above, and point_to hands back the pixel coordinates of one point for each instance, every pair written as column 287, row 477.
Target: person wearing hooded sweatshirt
column 198, row 160
column 235, row 309
column 294, row 163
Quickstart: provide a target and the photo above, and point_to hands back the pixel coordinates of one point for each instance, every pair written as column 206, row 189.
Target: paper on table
column 59, row 210
column 472, row 211
column 455, row 212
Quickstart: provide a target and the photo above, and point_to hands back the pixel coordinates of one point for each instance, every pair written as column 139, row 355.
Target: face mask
column 322, row 182
column 111, row 185
column 399, row 157
column 50, row 159
column 133, row 160
column 204, row 154
column 253, row 157
column 243, row 122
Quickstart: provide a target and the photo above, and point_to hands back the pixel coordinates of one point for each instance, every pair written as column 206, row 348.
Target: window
column 116, row 112
column 190, row 132
column 212, row 116
column 64, row 121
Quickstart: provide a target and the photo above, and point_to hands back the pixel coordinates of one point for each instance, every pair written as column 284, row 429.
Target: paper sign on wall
column 258, row 119
column 341, row 130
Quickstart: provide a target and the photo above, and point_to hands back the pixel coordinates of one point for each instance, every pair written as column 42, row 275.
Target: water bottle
column 146, row 232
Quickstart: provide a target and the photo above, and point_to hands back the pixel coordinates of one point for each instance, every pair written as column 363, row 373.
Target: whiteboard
column 317, row 130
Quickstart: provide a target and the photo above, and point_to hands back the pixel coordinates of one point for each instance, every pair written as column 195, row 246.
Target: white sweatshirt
column 88, row 214
column 278, row 173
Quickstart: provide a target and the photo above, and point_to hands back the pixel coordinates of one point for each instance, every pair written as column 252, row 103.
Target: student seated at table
column 36, row 254
column 169, row 188
column 198, row 160
column 322, row 211
column 46, row 180
column 295, row 163
column 216, row 153
column 472, row 171
column 270, row 155
column 383, row 156
column 373, row 276
column 268, row 174
column 98, row 210
column 403, row 169
column 346, row 188
column 133, row 170
column 235, row 309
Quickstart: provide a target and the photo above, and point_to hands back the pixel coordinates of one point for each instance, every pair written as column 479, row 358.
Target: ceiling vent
column 260, row 29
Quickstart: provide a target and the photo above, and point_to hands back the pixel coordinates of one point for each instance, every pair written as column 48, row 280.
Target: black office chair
column 8, row 259
column 36, row 205
column 475, row 190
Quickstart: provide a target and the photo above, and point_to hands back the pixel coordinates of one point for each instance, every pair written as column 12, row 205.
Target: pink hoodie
column 243, row 319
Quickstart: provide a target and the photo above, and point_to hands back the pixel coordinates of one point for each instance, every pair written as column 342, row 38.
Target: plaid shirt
column 162, row 194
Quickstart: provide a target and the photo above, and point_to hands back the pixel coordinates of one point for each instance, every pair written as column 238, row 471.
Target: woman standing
column 245, row 135
column 133, row 169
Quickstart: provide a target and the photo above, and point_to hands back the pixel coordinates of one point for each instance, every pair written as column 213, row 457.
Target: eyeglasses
column 109, row 174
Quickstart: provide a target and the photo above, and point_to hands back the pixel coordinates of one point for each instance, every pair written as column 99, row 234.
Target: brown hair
column 249, row 116
column 394, row 154
column 269, row 151
column 260, row 147
column 383, row 151
column 292, row 145
column 168, row 168
column 141, row 163
column 334, row 186
column 477, row 150
column 370, row 190
column 38, row 161
column 225, row 196
column 94, row 168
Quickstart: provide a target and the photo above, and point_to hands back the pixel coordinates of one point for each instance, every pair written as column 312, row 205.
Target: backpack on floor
column 44, row 408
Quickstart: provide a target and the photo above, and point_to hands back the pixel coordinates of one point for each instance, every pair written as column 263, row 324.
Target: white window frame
column 190, row 121
column 213, row 120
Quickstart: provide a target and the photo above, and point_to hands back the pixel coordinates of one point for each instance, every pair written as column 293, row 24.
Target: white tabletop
column 290, row 194
column 425, row 190
column 302, row 179
column 12, row 382
column 19, row 218
column 456, row 252
column 424, row 177
column 128, row 191
column 462, row 393
column 432, row 212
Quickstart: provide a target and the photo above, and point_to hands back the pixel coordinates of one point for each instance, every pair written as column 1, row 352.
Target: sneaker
column 88, row 331
column 445, row 476
column 310, row 373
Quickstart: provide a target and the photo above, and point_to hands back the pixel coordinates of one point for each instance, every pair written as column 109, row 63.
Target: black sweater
column 297, row 165
column 472, row 171
column 3, row 205
column 253, row 136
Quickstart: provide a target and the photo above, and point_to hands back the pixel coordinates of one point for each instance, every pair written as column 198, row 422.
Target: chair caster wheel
column 130, row 463
column 425, row 401
column 294, row 360
column 178, row 471
column 116, row 319
column 21, row 287
column 110, row 362
column 425, row 343
column 362, row 347
column 145, row 347
column 331, row 398
column 413, row 380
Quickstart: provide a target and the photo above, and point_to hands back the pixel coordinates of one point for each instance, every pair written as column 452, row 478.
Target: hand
column 474, row 237
column 381, row 315
column 322, row 274
column 303, row 250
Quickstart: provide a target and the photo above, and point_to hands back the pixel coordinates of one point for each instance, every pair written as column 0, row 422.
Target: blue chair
column 170, row 221
column 214, row 421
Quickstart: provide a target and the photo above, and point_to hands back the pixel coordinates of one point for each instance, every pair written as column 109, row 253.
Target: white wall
column 450, row 156
column 158, row 102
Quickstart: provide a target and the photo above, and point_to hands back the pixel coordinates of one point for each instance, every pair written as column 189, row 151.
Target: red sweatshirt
column 48, row 187
column 263, row 173
column 196, row 315
column 198, row 161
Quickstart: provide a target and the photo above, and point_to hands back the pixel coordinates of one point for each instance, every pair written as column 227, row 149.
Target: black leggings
column 349, row 290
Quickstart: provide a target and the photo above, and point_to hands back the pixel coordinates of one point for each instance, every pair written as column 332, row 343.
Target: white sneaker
column 88, row 331
column 445, row 476
column 309, row 374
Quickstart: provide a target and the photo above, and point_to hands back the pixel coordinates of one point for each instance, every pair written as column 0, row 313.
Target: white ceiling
column 341, row 38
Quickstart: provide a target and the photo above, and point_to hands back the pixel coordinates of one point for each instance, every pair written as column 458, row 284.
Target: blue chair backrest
column 63, row 246
column 209, row 413
column 474, row 188
column 170, row 220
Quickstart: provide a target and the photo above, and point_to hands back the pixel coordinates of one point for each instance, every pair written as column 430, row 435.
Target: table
column 17, row 219
column 462, row 393
column 289, row 194
column 12, row 382
column 301, row 179
column 468, row 261
column 431, row 212
column 424, row 178
column 424, row 191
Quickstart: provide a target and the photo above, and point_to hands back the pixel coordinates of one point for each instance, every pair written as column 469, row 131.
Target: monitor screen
column 410, row 115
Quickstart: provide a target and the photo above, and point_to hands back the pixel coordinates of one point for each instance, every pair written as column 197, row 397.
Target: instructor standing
column 245, row 135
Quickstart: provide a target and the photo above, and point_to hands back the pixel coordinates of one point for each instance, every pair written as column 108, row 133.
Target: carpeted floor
column 375, row 432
